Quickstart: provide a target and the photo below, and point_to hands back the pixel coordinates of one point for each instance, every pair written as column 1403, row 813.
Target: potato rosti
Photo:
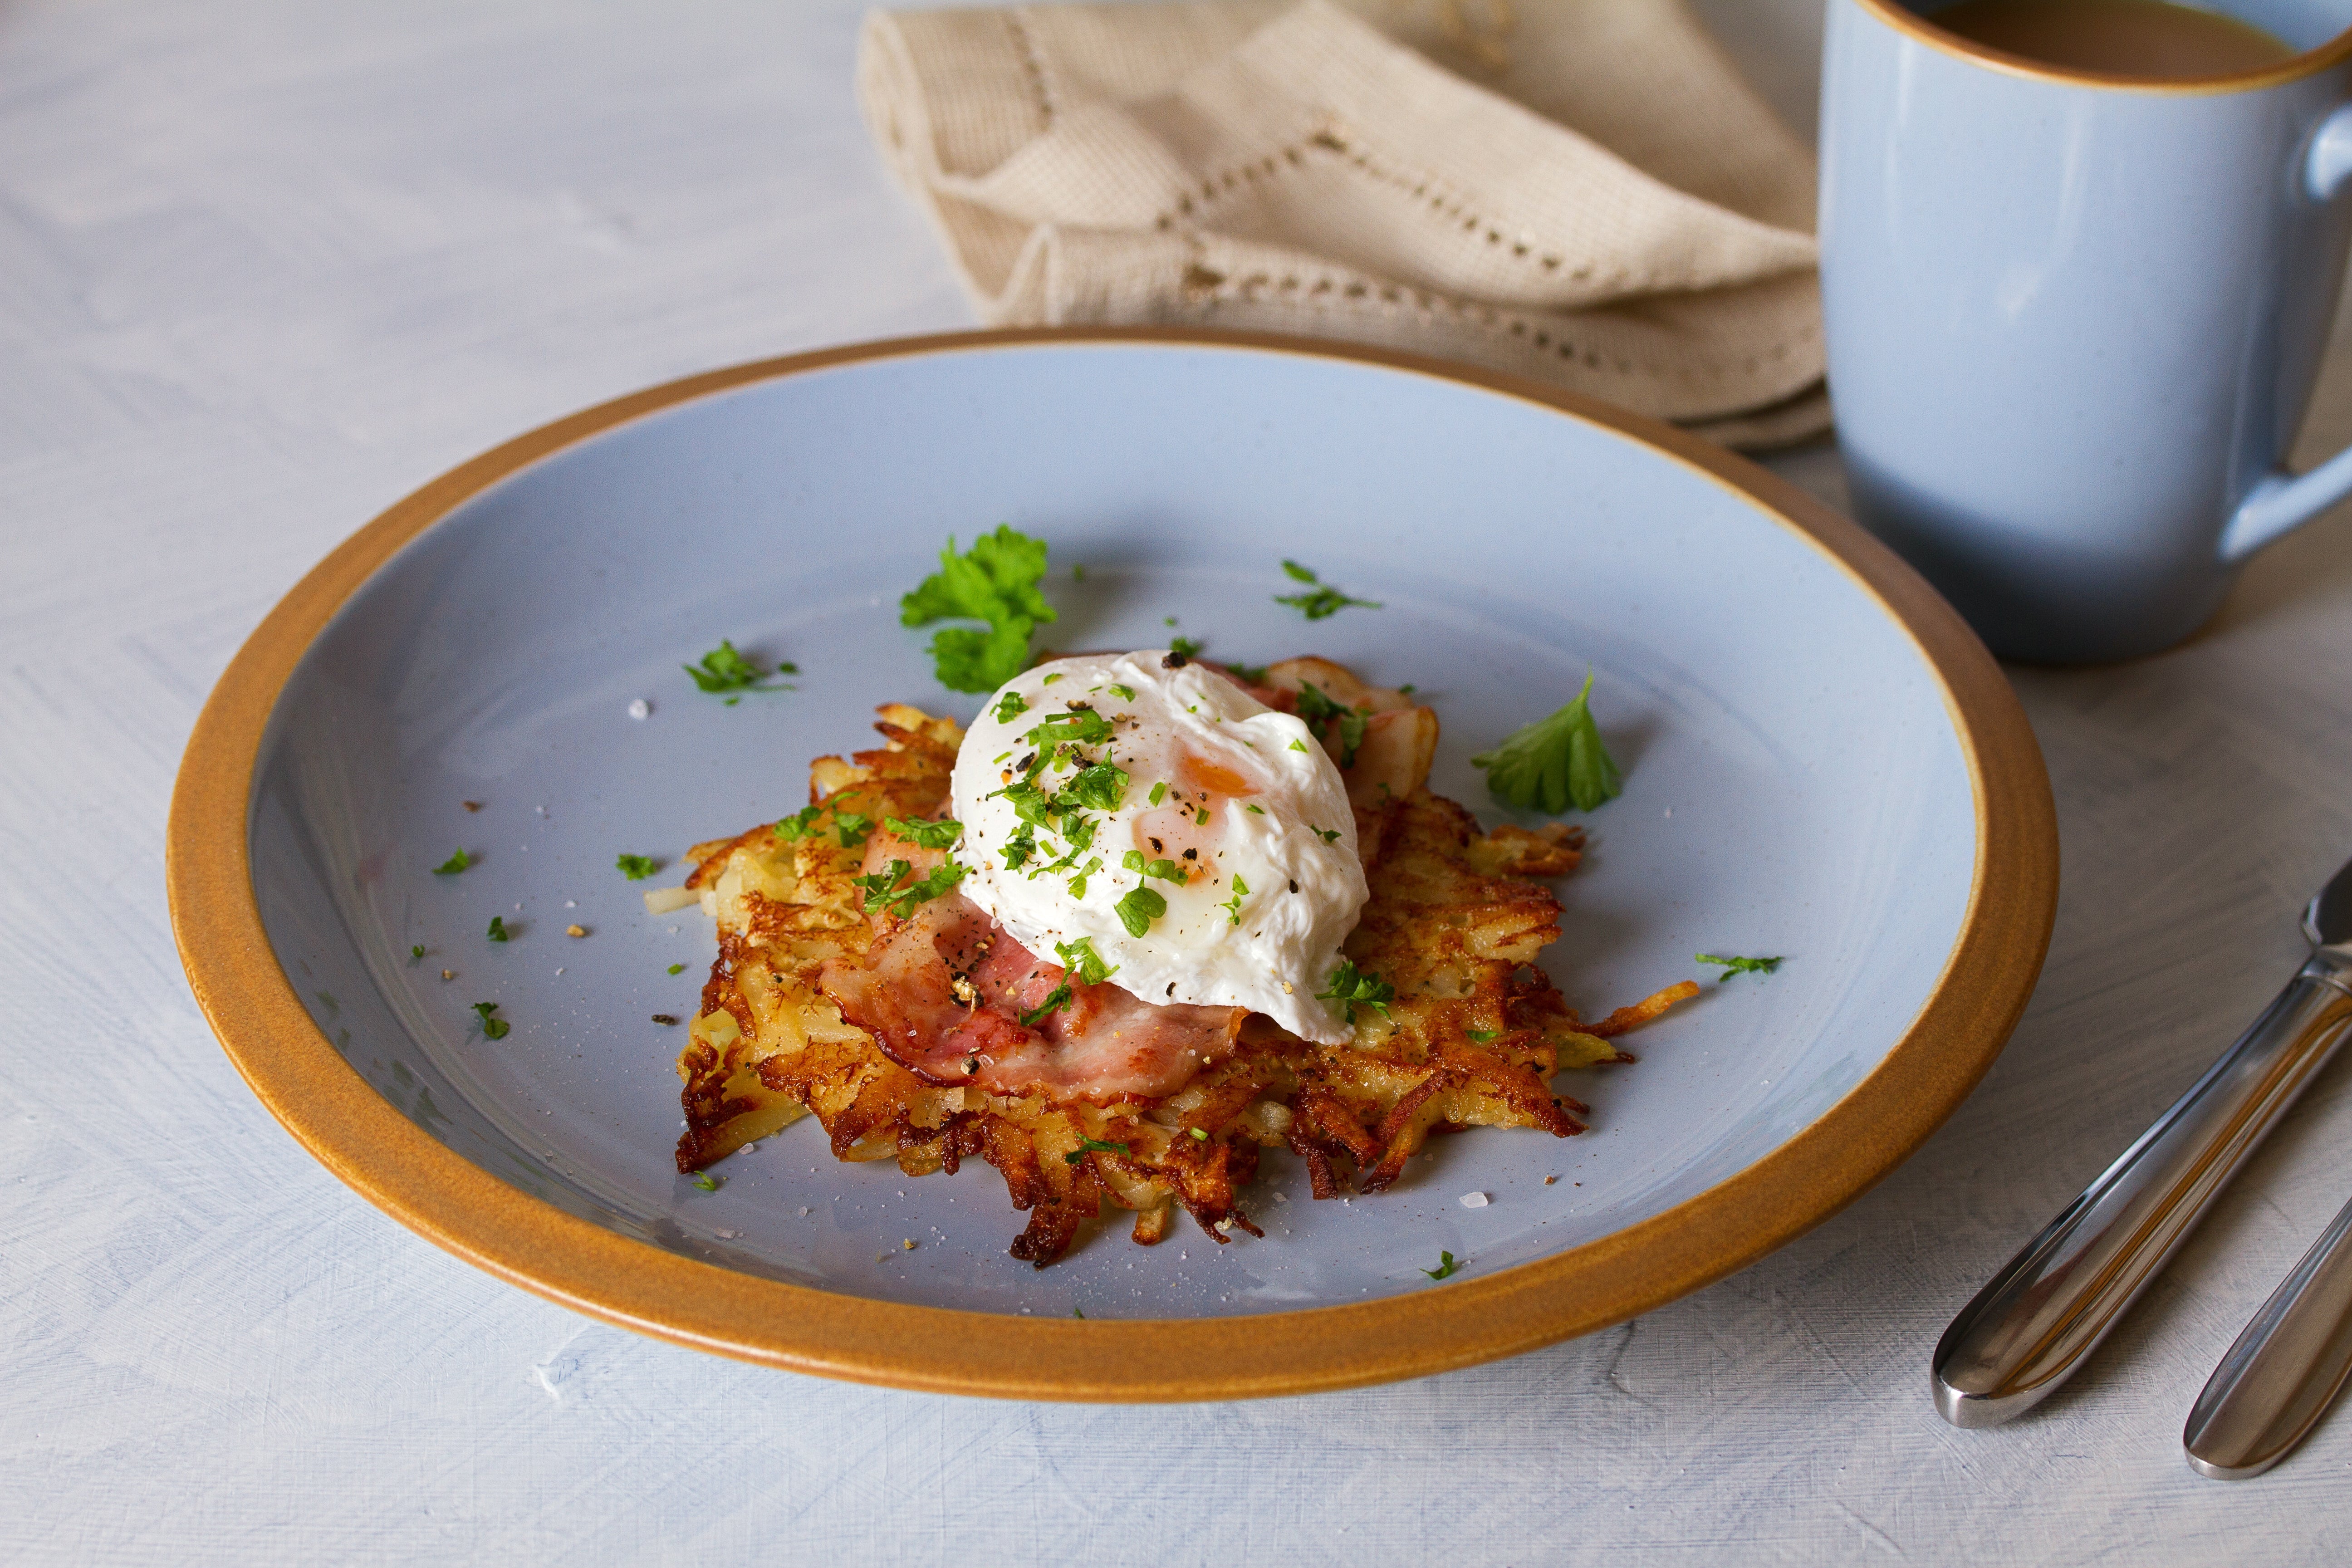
column 1472, row 1036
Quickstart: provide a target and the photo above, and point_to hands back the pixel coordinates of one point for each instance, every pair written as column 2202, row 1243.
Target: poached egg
column 1145, row 809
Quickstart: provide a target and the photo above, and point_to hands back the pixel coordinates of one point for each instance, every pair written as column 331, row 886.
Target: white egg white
column 1235, row 799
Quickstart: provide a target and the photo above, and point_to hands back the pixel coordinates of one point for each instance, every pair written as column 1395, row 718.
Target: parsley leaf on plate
column 637, row 867
column 1544, row 765
column 1324, row 602
column 996, row 582
column 494, row 1028
column 1445, row 1268
column 457, row 862
column 498, row 931
column 1732, row 966
column 725, row 669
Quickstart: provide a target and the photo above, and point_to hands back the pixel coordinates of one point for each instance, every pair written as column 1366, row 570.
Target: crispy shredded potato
column 1473, row 1038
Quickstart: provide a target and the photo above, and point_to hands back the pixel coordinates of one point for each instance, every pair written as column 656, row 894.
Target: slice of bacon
column 944, row 993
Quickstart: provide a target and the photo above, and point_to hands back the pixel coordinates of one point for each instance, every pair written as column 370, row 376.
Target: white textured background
column 264, row 268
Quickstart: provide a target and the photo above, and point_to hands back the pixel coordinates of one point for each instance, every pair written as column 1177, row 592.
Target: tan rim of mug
column 302, row 1078
column 1904, row 20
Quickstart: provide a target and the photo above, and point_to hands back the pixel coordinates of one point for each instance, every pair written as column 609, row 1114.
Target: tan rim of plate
column 436, row 1193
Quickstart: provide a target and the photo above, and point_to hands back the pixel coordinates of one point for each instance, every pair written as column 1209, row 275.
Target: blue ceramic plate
column 1817, row 758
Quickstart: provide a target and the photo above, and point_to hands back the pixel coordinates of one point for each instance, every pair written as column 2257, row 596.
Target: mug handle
column 2281, row 501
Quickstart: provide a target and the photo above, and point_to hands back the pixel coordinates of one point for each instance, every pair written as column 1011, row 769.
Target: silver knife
column 2029, row 1330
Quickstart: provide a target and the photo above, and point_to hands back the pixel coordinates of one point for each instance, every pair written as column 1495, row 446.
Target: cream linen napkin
column 1613, row 210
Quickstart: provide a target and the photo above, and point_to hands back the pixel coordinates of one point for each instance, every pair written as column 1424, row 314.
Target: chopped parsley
column 1544, row 765
column 455, row 864
column 1011, row 706
column 1093, row 1144
column 883, row 890
column 1079, row 727
column 852, row 828
column 637, row 867
column 498, row 931
column 1253, row 674
column 1166, row 870
column 1353, row 989
column 1259, row 809
column 724, row 669
column 1232, row 906
column 706, row 1181
column 924, row 835
column 1138, row 908
column 1445, row 1269
column 1100, row 786
column 994, row 582
column 1324, row 602
column 1732, row 966
column 416, row 954
column 1124, row 693
column 1316, row 705
column 1329, row 835
column 493, row 1028
column 1200, row 1132
column 1078, row 883
column 1080, row 959
column 1051, row 679
column 1158, row 793
column 1297, row 745
column 677, row 969
column 1483, row 1036
column 793, row 828
column 1079, row 1312
column 1186, row 648
column 1020, row 846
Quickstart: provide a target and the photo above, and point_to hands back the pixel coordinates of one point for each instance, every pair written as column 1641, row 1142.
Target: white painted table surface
column 265, row 267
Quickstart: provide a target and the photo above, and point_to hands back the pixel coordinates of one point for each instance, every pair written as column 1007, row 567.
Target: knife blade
column 2028, row 1330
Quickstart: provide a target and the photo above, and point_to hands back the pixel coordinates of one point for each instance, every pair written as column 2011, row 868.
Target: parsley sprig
column 994, row 582
column 492, row 1029
column 1232, row 906
column 1544, row 765
column 1353, row 988
column 1324, row 602
column 1732, row 966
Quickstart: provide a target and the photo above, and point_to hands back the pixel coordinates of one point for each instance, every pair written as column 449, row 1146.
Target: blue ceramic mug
column 2074, row 320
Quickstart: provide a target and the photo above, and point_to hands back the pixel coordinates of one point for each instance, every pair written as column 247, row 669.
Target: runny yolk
column 1215, row 777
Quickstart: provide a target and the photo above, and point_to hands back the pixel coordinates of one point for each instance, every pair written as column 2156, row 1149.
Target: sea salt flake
column 1473, row 1200
column 640, row 709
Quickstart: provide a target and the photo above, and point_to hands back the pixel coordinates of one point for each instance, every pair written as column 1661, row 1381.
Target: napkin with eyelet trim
column 1584, row 192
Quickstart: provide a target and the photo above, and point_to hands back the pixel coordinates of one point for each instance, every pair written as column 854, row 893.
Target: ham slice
column 943, row 995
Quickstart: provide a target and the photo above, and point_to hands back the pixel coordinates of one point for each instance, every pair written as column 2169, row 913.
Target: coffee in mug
column 2074, row 312
column 2148, row 39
